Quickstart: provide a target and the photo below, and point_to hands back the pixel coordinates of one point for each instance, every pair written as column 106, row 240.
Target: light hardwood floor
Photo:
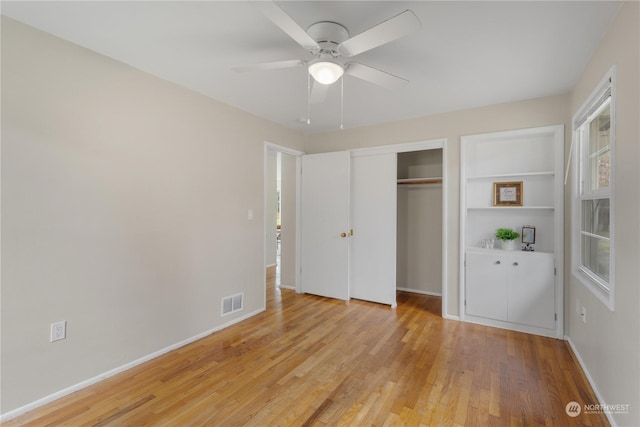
column 310, row 361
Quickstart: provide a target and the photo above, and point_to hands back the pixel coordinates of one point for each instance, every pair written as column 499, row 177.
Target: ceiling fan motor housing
column 328, row 35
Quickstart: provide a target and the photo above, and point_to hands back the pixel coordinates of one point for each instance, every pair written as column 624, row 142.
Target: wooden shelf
column 420, row 181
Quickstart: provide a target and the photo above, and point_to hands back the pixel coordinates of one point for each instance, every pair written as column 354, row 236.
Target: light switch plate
column 58, row 331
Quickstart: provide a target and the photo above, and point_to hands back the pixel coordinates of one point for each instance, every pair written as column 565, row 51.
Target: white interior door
column 374, row 213
column 325, row 224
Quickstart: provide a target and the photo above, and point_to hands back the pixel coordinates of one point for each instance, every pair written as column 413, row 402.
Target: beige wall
column 609, row 342
column 124, row 212
column 531, row 113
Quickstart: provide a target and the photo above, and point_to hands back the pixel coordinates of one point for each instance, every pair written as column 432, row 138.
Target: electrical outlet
column 58, row 331
column 583, row 314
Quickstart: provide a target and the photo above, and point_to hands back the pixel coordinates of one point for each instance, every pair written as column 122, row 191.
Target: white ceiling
column 467, row 54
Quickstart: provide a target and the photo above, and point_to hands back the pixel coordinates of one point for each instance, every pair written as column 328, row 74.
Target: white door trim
column 269, row 146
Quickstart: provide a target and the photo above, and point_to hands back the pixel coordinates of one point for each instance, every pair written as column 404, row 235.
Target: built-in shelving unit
column 535, row 158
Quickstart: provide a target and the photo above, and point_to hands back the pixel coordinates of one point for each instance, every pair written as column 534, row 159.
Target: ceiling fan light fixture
column 326, row 72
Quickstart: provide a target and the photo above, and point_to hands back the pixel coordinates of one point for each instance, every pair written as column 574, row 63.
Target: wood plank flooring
column 311, row 361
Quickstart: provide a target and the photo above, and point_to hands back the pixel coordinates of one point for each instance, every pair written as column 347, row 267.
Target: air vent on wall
column 232, row 303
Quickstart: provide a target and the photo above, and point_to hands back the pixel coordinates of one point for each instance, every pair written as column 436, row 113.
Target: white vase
column 508, row 245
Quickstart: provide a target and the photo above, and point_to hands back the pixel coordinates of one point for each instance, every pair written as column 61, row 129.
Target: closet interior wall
column 419, row 223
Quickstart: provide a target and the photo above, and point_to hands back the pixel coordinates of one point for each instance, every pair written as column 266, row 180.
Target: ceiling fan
column 328, row 41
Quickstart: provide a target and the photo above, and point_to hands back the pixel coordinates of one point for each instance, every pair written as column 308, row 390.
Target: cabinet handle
column 497, row 262
column 515, row 263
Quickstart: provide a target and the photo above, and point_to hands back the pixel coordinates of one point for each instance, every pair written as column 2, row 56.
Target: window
column 594, row 139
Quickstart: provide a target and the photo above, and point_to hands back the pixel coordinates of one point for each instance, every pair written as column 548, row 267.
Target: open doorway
column 281, row 219
column 282, row 167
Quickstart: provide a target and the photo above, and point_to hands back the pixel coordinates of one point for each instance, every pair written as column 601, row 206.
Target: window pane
column 595, row 217
column 595, row 256
column 600, row 159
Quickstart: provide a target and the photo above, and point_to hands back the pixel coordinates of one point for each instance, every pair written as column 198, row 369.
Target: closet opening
column 419, row 256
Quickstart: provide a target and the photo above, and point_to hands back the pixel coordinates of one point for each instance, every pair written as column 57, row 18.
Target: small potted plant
column 507, row 237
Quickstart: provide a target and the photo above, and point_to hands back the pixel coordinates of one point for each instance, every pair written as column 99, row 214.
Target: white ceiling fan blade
column 375, row 76
column 318, row 93
column 286, row 24
column 268, row 66
column 392, row 29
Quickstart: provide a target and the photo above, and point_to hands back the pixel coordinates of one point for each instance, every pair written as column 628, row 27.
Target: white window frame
column 595, row 104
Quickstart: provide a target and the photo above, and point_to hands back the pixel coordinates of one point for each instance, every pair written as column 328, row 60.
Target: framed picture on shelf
column 507, row 193
column 528, row 234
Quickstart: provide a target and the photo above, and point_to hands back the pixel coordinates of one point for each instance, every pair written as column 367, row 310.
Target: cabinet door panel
column 532, row 290
column 486, row 286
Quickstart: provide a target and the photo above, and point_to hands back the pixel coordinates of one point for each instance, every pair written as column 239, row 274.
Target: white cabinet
column 515, row 287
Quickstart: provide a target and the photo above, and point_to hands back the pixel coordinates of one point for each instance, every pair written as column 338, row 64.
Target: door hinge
column 555, row 271
column 555, row 316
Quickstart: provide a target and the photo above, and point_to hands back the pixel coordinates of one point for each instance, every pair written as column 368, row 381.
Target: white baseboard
column 270, row 265
column 418, row 291
column 293, row 288
column 86, row 383
column 451, row 317
column 590, row 379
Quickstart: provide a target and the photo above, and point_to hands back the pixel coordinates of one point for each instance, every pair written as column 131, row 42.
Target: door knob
column 497, row 262
column 343, row 235
column 515, row 263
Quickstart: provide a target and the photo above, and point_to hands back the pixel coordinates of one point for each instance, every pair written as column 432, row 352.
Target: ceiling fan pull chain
column 342, row 102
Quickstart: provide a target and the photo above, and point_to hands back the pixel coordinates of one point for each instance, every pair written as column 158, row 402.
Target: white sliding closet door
column 373, row 219
column 325, row 224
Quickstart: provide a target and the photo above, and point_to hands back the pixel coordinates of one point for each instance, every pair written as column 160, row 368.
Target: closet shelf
column 506, row 208
column 420, row 181
column 511, row 175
